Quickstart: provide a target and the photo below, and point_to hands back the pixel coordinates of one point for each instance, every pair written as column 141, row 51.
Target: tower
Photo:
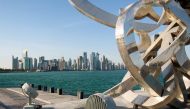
column 15, row 63
column 92, row 61
column 85, row 61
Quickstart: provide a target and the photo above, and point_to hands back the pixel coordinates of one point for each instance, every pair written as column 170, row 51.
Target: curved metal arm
column 95, row 13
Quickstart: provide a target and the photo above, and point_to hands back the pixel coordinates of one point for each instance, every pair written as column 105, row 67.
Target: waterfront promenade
column 13, row 98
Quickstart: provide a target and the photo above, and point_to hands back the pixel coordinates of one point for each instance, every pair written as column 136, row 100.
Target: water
column 70, row 81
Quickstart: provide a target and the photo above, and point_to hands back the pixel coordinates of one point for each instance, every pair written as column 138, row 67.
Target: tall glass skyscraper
column 85, row 61
column 27, row 62
column 15, row 63
column 35, row 64
column 92, row 61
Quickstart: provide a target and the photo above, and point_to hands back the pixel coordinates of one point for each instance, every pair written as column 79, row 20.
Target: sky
column 54, row 29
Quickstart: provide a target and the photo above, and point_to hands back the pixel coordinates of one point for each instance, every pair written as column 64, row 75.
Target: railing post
column 39, row 87
column 59, row 91
column 52, row 89
column 80, row 94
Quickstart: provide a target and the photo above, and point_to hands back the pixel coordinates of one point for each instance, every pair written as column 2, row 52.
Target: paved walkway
column 46, row 97
column 12, row 100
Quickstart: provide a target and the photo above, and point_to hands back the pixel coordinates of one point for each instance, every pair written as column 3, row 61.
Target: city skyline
column 92, row 62
column 54, row 28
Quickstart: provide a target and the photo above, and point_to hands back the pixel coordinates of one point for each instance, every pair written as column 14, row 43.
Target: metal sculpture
column 146, row 58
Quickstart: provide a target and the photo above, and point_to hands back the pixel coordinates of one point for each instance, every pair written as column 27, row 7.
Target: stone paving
column 48, row 98
column 13, row 98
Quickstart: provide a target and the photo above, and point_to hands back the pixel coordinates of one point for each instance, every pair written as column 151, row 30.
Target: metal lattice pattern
column 147, row 58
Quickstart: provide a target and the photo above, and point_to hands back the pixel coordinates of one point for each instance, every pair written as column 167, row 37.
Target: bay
column 70, row 81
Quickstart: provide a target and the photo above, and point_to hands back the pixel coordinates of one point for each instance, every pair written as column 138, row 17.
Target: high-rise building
column 92, row 61
column 109, row 65
column 45, row 66
column 21, row 65
column 79, row 63
column 30, row 63
column 15, row 63
column 70, row 64
column 97, row 61
column 61, row 65
column 53, row 65
column 74, row 64
column 88, row 64
column 41, row 59
column 66, row 65
column 41, row 63
column 25, row 53
column 35, row 64
column 85, row 61
column 103, row 63
column 26, row 63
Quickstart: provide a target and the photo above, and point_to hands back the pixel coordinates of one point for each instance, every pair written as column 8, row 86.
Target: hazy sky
column 53, row 28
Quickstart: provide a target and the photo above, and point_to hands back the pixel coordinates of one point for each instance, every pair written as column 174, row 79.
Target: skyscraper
column 61, row 65
column 53, row 65
column 97, row 61
column 30, row 63
column 15, row 63
column 26, row 60
column 35, row 67
column 41, row 63
column 104, row 62
column 85, row 61
column 92, row 61
column 70, row 64
column 41, row 59
column 21, row 65
column 25, row 53
column 74, row 65
column 26, row 63
column 79, row 63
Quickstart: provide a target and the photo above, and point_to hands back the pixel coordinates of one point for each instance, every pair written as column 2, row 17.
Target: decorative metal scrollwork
column 158, row 64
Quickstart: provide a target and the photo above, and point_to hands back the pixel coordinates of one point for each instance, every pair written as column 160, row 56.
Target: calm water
column 87, row 81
